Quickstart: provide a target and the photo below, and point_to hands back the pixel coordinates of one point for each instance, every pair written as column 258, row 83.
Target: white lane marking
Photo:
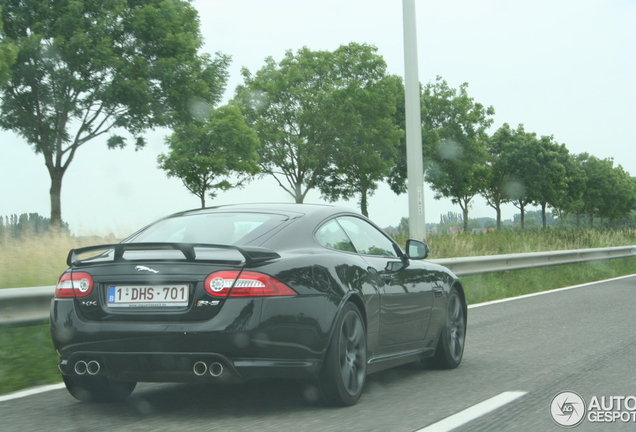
column 475, row 411
column 31, row 392
column 476, row 305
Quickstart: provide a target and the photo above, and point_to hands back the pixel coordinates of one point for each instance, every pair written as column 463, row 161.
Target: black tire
column 98, row 388
column 344, row 370
column 450, row 347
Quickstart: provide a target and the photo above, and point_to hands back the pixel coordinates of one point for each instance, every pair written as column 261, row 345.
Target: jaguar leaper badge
column 144, row 268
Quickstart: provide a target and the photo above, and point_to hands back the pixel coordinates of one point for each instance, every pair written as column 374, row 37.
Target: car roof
column 288, row 209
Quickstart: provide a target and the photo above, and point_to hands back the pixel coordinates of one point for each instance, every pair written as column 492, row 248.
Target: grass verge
column 27, row 358
column 495, row 286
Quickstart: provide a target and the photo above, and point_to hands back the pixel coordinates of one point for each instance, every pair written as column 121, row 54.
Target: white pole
column 414, row 158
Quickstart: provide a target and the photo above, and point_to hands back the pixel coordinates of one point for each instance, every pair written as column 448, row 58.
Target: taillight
column 218, row 284
column 74, row 284
column 245, row 284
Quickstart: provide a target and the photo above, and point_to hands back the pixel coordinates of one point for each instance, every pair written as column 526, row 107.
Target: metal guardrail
column 26, row 306
column 497, row 263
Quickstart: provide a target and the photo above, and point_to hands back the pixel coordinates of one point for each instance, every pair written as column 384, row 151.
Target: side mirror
column 416, row 249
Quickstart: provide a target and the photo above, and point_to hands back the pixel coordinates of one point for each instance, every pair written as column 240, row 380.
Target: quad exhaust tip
column 201, row 368
column 80, row 367
column 216, row 369
column 92, row 367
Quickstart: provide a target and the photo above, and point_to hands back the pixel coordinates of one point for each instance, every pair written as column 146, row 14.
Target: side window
column 366, row 238
column 332, row 236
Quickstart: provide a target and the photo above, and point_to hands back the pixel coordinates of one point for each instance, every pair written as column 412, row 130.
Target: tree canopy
column 86, row 69
column 217, row 154
column 609, row 192
column 8, row 53
column 324, row 120
column 497, row 173
column 454, row 139
column 365, row 137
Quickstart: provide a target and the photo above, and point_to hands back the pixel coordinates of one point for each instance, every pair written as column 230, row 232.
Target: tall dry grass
column 30, row 260
column 507, row 242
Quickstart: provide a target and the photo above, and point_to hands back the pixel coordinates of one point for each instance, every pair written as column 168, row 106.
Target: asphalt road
column 581, row 340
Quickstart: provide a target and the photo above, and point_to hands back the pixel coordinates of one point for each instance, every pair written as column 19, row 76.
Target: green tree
column 598, row 174
column 571, row 202
column 403, row 227
column 530, row 222
column 324, row 120
column 551, row 185
column 218, row 154
column 281, row 102
column 454, row 139
column 398, row 174
column 523, row 169
column 608, row 192
column 31, row 224
column 497, row 172
column 8, row 53
column 520, row 155
column 87, row 69
column 624, row 194
column 365, row 140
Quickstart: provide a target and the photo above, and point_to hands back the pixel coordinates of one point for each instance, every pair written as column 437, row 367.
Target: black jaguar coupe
column 297, row 291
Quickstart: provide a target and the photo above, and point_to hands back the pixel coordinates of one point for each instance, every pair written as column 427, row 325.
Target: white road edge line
column 476, row 305
column 475, row 411
column 31, row 392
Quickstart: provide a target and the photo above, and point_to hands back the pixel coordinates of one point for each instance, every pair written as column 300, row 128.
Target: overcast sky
column 565, row 68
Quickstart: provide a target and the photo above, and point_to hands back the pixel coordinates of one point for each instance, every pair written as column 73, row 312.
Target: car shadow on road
column 254, row 398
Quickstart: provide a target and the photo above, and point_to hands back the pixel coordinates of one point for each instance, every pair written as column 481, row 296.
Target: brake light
column 235, row 283
column 74, row 284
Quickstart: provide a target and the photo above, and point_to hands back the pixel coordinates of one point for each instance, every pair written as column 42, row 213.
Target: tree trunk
column 298, row 195
column 55, row 194
column 465, row 213
column 363, row 202
column 498, row 210
column 495, row 204
column 543, row 216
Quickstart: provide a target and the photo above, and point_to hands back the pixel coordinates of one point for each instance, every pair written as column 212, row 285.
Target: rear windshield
column 210, row 228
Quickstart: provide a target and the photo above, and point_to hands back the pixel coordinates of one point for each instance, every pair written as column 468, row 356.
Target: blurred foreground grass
column 27, row 358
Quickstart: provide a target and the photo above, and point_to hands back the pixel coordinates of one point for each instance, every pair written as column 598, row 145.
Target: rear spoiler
column 251, row 254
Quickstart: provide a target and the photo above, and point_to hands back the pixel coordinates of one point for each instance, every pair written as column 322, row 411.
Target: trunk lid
column 156, row 281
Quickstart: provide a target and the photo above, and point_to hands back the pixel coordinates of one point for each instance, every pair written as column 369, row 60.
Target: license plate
column 147, row 296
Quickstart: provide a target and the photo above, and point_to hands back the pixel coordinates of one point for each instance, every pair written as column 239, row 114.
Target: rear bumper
column 184, row 367
column 280, row 346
